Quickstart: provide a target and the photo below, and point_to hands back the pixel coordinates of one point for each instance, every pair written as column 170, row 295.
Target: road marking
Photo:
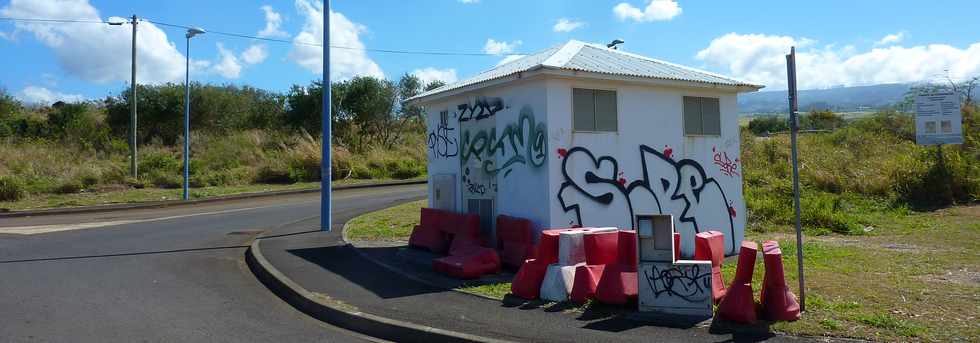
column 39, row 229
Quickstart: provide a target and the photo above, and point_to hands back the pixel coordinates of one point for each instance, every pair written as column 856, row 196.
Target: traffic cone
column 738, row 304
column 778, row 302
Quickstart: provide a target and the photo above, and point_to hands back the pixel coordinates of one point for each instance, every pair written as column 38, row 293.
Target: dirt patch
column 960, row 277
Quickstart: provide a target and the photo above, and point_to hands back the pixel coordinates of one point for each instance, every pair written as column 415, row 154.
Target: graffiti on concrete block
column 593, row 193
column 522, row 142
column 442, row 142
column 482, row 108
column 691, row 283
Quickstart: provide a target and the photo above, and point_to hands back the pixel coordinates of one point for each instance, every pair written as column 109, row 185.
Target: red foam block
column 429, row 238
column 710, row 246
column 778, row 302
column 515, row 241
column 481, row 261
column 586, row 281
column 601, row 247
column 738, row 304
column 527, row 282
column 547, row 250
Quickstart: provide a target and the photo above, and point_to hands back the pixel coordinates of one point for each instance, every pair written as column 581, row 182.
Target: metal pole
column 793, row 108
column 325, row 144
column 187, row 115
column 133, row 165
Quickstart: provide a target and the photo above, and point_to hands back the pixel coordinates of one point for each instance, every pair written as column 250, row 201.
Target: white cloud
column 761, row 58
column 509, row 58
column 97, row 53
column 656, row 10
column 469, row 1
column 567, row 25
column 430, row 74
column 228, row 66
column 891, row 39
column 344, row 63
column 496, row 48
column 255, row 54
column 44, row 96
column 273, row 20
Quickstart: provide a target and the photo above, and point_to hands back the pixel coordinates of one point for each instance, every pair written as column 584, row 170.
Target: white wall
column 513, row 133
column 609, row 177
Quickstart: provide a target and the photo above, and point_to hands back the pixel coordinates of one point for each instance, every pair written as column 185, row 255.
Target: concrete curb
column 170, row 203
column 322, row 307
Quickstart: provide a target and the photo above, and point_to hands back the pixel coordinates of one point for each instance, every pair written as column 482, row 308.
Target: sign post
column 325, row 143
column 793, row 128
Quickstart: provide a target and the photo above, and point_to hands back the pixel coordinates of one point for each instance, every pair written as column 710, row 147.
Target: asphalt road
column 160, row 275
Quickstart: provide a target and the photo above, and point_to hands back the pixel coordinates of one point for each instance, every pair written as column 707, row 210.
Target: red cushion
column 480, row 261
column 429, row 238
column 527, row 282
column 431, row 217
column 600, row 247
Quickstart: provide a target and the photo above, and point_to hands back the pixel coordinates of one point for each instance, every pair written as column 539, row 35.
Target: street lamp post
column 132, row 99
column 191, row 32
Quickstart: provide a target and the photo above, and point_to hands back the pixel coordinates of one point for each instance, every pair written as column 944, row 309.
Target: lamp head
column 614, row 43
column 194, row 31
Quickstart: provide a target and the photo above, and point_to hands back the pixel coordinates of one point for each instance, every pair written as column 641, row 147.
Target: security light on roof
column 614, row 43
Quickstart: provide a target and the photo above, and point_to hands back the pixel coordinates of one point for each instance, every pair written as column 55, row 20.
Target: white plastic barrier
column 560, row 277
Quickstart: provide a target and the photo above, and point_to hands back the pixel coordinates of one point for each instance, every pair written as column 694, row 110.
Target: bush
column 763, row 126
column 11, row 189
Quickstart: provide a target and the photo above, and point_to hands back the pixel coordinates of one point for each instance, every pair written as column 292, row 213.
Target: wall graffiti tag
column 482, row 108
column 442, row 142
column 522, row 142
column 593, row 193
column 474, row 186
column 691, row 283
column 725, row 165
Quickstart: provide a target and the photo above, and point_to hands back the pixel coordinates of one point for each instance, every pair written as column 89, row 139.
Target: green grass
column 391, row 224
column 492, row 290
column 132, row 195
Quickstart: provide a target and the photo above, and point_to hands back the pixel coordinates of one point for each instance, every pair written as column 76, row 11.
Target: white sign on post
column 938, row 119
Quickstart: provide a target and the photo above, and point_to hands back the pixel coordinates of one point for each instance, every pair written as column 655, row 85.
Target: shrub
column 11, row 189
column 762, row 126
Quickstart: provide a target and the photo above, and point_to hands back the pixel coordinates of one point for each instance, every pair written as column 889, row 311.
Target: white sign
column 938, row 119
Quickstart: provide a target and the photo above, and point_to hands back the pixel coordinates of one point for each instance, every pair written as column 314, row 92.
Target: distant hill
column 843, row 99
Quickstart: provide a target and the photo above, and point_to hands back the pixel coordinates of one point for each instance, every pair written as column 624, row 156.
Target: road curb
column 172, row 203
column 324, row 308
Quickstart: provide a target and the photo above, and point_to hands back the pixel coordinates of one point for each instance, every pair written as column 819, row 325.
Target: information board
column 938, row 119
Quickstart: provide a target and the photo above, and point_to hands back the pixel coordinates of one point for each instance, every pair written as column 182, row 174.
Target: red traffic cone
column 778, row 302
column 738, row 304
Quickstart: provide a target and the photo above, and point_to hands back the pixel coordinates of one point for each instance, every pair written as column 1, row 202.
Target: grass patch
column 913, row 277
column 492, row 290
column 390, row 224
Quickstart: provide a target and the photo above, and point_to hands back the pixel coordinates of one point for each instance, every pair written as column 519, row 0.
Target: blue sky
column 840, row 42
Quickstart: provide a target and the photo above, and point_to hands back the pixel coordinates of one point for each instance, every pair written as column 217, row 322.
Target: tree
column 434, row 84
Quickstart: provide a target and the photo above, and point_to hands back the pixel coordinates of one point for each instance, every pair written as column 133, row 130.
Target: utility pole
column 793, row 128
column 132, row 110
column 326, row 117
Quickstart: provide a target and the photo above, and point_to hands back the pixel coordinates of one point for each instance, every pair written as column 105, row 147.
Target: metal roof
column 578, row 56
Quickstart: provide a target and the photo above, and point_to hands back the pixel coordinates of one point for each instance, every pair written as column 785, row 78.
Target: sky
column 839, row 43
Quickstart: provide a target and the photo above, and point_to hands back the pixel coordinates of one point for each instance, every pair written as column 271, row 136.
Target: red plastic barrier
column 677, row 246
column 547, row 250
column 429, row 238
column 515, row 240
column 600, row 247
column 710, row 246
column 738, row 304
column 617, row 285
column 586, row 281
column 778, row 302
column 527, row 282
column 479, row 261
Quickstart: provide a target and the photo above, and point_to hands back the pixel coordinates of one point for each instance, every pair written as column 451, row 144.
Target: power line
column 244, row 36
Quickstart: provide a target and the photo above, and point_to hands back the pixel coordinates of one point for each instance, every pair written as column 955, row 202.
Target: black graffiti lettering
column 483, row 108
column 664, row 186
column 442, row 142
column 690, row 284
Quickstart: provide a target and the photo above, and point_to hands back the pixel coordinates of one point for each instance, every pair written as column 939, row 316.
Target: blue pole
column 187, row 115
column 325, row 174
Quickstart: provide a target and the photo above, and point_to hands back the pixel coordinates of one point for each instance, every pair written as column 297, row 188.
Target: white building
column 583, row 134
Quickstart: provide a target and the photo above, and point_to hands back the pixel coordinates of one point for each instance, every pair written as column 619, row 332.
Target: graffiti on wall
column 725, row 165
column 522, row 142
column 592, row 191
column 442, row 142
column 691, row 283
column 482, row 108
column 475, row 186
